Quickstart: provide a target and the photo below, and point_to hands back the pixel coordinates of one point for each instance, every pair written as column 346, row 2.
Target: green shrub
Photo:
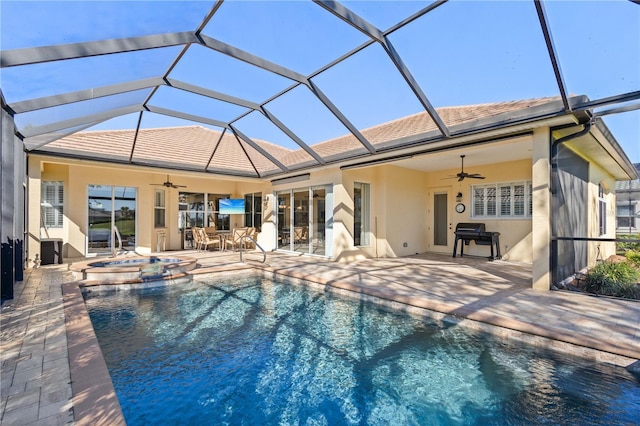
column 618, row 279
column 633, row 256
column 622, row 246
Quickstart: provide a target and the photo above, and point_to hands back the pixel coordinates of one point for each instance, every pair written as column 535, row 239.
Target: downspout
column 553, row 253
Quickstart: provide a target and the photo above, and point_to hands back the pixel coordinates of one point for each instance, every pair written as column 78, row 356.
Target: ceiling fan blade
column 178, row 186
column 475, row 176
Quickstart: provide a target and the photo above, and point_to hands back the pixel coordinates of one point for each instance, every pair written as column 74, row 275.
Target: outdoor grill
column 467, row 232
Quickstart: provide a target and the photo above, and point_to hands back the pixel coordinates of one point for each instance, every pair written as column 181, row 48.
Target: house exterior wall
column 601, row 250
column 401, row 206
column 77, row 176
column 515, row 233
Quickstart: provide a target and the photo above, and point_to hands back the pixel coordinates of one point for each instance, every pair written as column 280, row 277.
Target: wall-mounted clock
column 460, row 207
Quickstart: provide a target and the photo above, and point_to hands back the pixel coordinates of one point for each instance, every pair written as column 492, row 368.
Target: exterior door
column 284, row 220
column 305, row 220
column 110, row 206
column 441, row 222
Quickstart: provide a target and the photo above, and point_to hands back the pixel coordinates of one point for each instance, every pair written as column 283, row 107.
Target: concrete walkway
column 36, row 343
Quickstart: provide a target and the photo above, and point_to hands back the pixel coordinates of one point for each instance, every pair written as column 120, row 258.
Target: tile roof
column 191, row 147
column 629, row 185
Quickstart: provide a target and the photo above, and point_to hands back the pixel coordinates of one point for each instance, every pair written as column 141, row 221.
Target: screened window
column 361, row 213
column 505, row 200
column 159, row 213
column 52, row 204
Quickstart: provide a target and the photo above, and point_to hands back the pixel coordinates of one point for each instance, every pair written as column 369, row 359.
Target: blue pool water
column 251, row 351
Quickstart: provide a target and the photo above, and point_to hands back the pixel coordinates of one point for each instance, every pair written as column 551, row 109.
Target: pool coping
column 95, row 400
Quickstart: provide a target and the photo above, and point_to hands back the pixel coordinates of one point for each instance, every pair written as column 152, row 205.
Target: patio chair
column 197, row 240
column 206, row 241
column 237, row 237
column 211, row 231
column 253, row 233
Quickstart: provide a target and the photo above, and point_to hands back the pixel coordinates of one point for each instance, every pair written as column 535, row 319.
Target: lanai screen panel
column 326, row 75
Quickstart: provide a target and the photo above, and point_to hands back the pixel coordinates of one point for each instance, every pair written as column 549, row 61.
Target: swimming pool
column 253, row 351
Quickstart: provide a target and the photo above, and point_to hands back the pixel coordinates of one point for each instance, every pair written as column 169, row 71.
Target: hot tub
column 133, row 269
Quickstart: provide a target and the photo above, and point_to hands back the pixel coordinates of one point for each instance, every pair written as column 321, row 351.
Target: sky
column 461, row 53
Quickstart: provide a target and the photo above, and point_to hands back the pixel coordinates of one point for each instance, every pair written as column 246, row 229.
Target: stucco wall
column 78, row 175
column 515, row 234
column 601, row 250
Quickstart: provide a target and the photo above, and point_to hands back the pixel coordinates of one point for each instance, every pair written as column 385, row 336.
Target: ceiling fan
column 462, row 175
column 169, row 184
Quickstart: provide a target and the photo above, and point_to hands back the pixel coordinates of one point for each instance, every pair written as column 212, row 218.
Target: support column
column 541, row 219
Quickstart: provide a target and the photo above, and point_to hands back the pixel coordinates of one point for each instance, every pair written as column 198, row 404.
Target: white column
column 541, row 219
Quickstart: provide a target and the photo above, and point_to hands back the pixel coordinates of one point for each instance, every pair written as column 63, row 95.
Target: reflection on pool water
column 253, row 351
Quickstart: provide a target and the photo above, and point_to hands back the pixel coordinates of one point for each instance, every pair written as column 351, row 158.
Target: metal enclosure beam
column 338, row 114
column 546, row 31
column 376, row 34
column 75, row 122
column 243, row 56
column 185, row 116
column 84, row 95
column 37, row 55
column 258, row 148
column 292, row 135
column 187, row 87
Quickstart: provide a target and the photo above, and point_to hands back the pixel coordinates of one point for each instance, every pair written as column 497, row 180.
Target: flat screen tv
column 231, row 206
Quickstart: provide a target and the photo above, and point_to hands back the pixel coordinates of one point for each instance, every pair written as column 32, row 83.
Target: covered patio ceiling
column 297, row 74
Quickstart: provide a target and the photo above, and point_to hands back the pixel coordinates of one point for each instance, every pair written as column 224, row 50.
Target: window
column 253, row 210
column 222, row 222
column 361, row 213
column 52, row 204
column 506, row 200
column 602, row 210
column 159, row 209
column 625, row 216
column 199, row 210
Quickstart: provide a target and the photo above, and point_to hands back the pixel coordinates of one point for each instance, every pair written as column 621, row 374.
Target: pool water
column 250, row 351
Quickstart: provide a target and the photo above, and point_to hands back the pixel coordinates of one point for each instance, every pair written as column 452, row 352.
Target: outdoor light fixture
column 459, row 197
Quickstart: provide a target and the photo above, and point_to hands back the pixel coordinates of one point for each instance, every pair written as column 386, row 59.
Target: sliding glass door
column 319, row 218
column 110, row 206
column 284, row 220
column 304, row 220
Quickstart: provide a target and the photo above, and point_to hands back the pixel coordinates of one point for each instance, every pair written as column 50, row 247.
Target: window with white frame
column 602, row 210
column 253, row 210
column 504, row 200
column 361, row 213
column 159, row 213
column 52, row 204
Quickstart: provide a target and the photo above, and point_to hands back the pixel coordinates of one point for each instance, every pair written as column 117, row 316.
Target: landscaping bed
column 617, row 276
